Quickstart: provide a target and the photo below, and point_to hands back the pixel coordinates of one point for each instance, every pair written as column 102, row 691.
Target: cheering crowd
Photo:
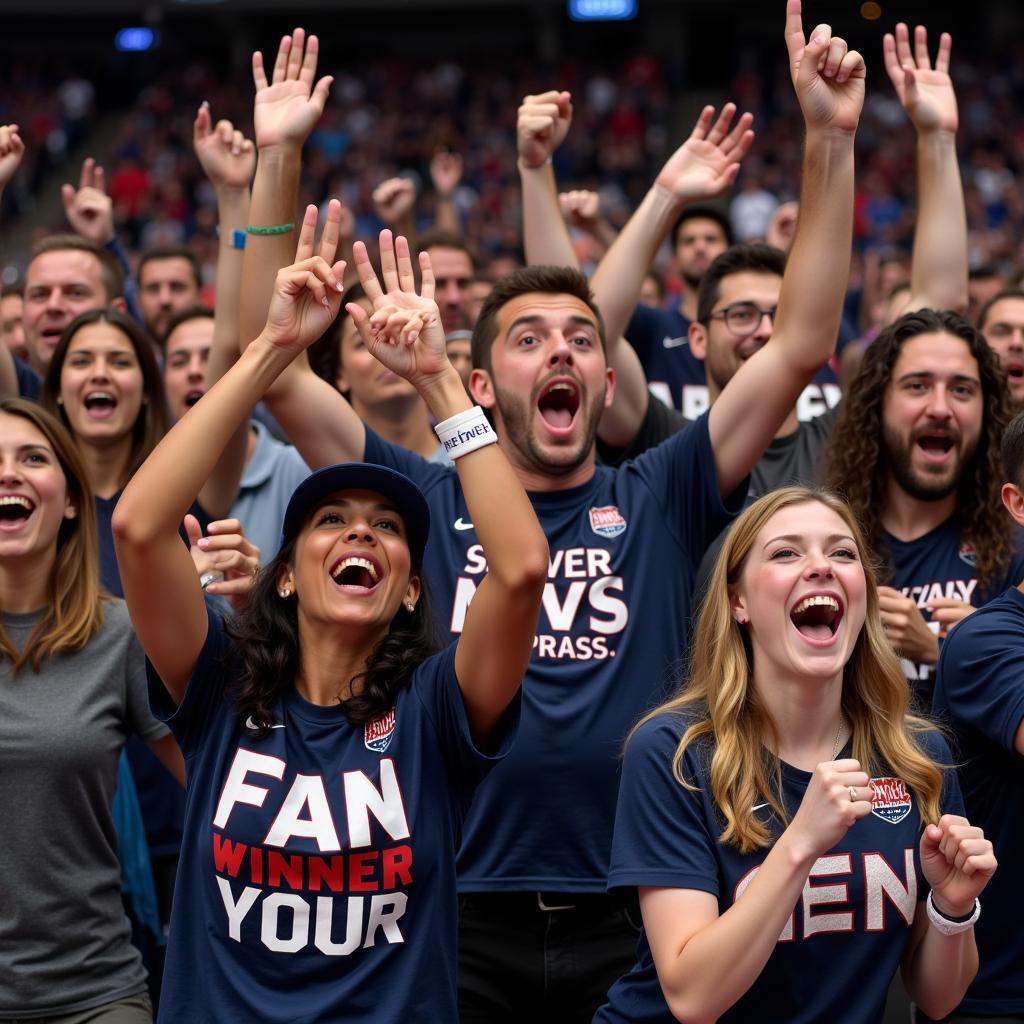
column 394, row 641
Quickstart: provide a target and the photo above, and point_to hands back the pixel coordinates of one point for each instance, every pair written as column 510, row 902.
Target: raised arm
column 542, row 124
column 581, row 209
column 829, row 83
column 702, row 167
column 446, row 173
column 228, row 159
column 12, row 149
column 170, row 618
column 405, row 334
column 938, row 272
column 318, row 421
column 394, row 202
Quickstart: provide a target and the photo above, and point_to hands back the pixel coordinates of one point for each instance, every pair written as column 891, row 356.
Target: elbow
column 129, row 526
column 531, row 571
column 684, row 1009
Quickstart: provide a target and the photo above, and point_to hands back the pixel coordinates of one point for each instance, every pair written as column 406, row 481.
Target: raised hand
column 926, row 93
column 227, row 553
column 404, row 331
column 828, row 808
column 707, row 163
column 542, row 125
column 88, row 208
column 957, row 861
column 782, row 227
column 288, row 108
column 307, row 295
column 446, row 172
column 393, row 199
column 581, row 208
column 827, row 76
column 228, row 158
column 12, row 149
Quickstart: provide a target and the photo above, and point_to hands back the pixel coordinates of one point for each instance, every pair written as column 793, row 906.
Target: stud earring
column 409, row 606
column 285, row 592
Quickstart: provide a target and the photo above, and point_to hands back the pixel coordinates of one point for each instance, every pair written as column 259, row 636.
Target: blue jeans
column 538, row 957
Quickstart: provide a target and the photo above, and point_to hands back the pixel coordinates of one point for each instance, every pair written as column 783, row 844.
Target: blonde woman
column 788, row 824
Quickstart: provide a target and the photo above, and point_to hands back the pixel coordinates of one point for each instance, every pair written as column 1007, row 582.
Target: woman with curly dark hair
column 916, row 454
column 331, row 752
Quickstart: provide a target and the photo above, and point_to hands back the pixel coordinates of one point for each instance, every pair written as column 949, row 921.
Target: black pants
column 521, row 962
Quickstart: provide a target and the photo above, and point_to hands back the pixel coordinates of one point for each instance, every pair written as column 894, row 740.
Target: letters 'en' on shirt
column 843, row 942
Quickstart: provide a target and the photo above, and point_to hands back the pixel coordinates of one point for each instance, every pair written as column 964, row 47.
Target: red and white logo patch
column 607, row 521
column 890, row 799
column 377, row 734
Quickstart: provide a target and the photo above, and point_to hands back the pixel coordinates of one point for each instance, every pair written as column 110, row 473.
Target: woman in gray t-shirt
column 72, row 689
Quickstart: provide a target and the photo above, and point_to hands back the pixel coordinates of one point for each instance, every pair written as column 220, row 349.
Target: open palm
column 926, row 93
column 288, row 107
column 707, row 162
column 404, row 332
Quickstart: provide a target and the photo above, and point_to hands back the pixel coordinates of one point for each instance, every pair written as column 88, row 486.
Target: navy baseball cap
column 361, row 476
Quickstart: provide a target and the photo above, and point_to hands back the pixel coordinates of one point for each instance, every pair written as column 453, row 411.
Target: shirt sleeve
column 661, row 833
column 982, row 677
column 660, row 422
column 682, row 476
column 203, row 703
column 436, row 686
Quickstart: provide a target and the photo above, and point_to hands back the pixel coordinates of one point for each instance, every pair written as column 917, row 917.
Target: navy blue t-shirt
column 317, row 874
column 624, row 549
column 939, row 564
column 979, row 691
column 842, row 945
column 677, row 377
column 30, row 384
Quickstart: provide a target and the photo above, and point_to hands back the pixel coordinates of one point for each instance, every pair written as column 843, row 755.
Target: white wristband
column 465, row 432
column 946, row 926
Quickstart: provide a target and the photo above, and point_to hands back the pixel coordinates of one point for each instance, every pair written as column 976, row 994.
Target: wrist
column 949, row 925
column 541, row 168
column 799, row 854
column 232, row 196
column 956, row 912
column 444, row 393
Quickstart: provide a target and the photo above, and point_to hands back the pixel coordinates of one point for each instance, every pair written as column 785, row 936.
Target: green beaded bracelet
column 277, row 229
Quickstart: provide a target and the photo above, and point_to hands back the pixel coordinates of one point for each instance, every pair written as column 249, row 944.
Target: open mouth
column 193, row 396
column 558, row 404
column 817, row 617
column 1014, row 370
column 356, row 571
column 935, row 445
column 100, row 403
column 15, row 508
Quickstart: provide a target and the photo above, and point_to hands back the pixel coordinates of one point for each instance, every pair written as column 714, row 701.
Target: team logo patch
column 967, row 555
column 890, row 799
column 377, row 734
column 607, row 521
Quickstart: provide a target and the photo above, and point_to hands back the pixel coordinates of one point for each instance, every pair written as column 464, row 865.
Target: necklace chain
column 839, row 733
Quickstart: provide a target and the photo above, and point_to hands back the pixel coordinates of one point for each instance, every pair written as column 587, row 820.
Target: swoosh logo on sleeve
column 461, row 524
column 675, row 342
column 250, row 724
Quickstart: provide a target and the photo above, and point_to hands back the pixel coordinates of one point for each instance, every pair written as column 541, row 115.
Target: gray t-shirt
column 64, row 938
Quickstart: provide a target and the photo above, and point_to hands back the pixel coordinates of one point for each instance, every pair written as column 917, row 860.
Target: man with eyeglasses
column 736, row 306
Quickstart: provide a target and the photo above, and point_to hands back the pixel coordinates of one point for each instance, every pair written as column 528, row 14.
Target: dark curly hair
column 856, row 456
column 265, row 652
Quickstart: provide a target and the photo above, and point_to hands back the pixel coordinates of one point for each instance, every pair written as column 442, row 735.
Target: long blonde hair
column 722, row 704
column 75, row 612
